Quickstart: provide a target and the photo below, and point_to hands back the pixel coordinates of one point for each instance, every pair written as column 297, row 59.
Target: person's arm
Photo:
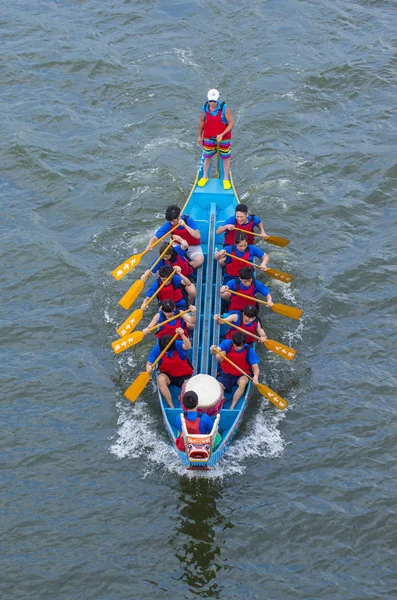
column 154, row 353
column 230, row 124
column 193, row 232
column 187, row 344
column 218, row 358
column 190, row 320
column 186, row 282
column 200, row 129
column 227, row 226
column 258, row 223
column 153, row 288
column 253, row 359
column 159, row 233
column 230, row 318
column 264, row 290
column 152, row 323
column 260, row 332
column 255, row 251
column 255, row 370
column 220, row 254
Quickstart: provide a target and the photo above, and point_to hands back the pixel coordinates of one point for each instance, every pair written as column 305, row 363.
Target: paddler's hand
column 144, row 305
column 181, row 222
column 263, row 268
column 179, row 331
column 219, row 137
column 230, row 227
column 216, row 318
column 177, row 270
column 199, row 140
column 263, row 338
column 255, row 380
column 192, row 309
column 224, row 289
column 145, row 275
column 145, row 330
column 264, row 236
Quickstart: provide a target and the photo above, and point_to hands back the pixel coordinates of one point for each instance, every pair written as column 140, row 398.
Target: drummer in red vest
column 241, row 249
column 167, row 311
column 244, row 356
column 241, row 220
column 215, row 127
column 196, row 423
column 247, row 285
column 174, row 366
column 176, row 257
column 248, row 320
column 187, row 230
column 177, row 289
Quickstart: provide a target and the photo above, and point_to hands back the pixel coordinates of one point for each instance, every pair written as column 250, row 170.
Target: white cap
column 213, row 95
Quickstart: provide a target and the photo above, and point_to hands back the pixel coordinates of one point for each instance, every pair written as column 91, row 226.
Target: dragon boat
column 209, row 206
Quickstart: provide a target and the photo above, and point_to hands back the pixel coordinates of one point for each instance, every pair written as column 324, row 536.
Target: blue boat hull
column 209, row 207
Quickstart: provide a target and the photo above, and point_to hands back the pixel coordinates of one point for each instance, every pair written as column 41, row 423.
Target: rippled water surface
column 99, row 110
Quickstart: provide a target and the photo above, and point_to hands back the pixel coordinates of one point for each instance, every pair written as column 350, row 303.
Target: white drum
column 209, row 392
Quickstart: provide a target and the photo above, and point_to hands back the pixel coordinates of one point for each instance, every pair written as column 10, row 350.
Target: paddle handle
column 160, row 288
column 253, row 300
column 233, row 364
column 239, row 328
column 162, row 238
column 248, row 232
column 160, row 356
column 168, row 320
column 160, row 257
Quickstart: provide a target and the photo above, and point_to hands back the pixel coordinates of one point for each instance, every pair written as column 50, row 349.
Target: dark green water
column 99, row 109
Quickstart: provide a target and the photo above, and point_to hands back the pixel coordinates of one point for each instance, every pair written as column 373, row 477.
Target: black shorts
column 178, row 381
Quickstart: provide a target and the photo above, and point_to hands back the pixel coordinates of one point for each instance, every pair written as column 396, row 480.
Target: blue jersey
column 167, row 227
column 252, row 356
column 155, row 352
column 206, row 423
column 176, row 281
column 259, row 287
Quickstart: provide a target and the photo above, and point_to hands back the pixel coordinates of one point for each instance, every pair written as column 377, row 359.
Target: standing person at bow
column 175, row 257
column 244, row 221
column 244, row 356
column 187, row 230
column 248, row 320
column 174, row 366
column 177, row 289
column 241, row 249
column 245, row 284
column 166, row 312
column 215, row 127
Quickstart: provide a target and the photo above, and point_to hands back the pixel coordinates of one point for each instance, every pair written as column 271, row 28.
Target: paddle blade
column 287, row 311
column 278, row 241
column 276, row 274
column 280, row 349
column 127, row 266
column 130, row 323
column 274, row 398
column 131, row 339
column 132, row 294
column 137, row 387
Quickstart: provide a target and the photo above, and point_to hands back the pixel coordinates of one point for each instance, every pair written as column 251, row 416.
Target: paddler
column 187, row 230
column 196, row 423
column 167, row 311
column 174, row 366
column 176, row 257
column 215, row 127
column 241, row 220
column 241, row 249
column 244, row 356
column 247, row 285
column 248, row 320
column 177, row 289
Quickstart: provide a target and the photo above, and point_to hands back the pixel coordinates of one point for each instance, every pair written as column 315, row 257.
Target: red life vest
column 233, row 267
column 238, row 303
column 250, row 328
column 230, row 236
column 170, row 292
column 174, row 365
column 186, row 269
column 214, row 125
column 239, row 358
column 185, row 235
column 169, row 328
column 192, row 427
